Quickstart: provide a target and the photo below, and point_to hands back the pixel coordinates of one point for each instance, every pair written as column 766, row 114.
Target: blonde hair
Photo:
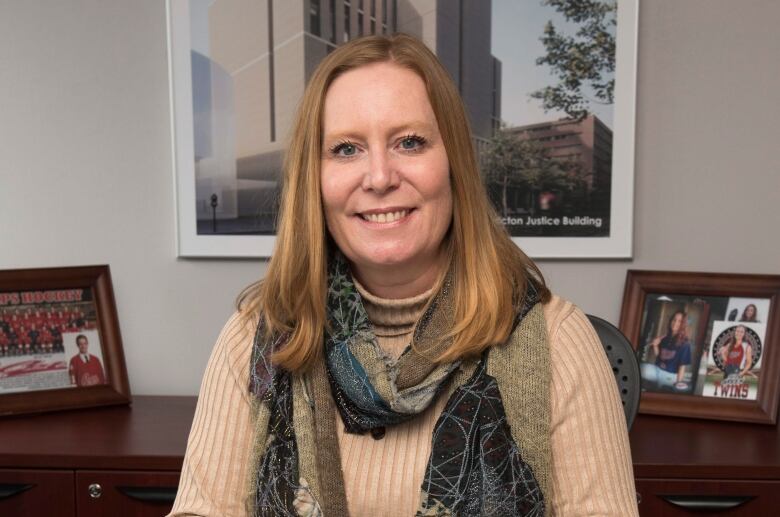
column 489, row 272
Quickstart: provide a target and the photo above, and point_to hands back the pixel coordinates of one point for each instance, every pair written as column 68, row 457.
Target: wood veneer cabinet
column 701, row 467
column 682, row 466
column 118, row 461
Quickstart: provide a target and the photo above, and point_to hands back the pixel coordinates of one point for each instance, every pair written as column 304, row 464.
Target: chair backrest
column 624, row 364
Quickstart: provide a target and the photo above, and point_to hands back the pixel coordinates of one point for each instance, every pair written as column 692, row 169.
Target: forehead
column 379, row 94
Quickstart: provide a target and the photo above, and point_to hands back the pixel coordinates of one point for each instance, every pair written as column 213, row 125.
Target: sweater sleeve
column 214, row 477
column 592, row 473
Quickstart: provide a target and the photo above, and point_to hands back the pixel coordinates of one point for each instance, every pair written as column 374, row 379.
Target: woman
column 750, row 313
column 409, row 359
column 736, row 354
column 672, row 355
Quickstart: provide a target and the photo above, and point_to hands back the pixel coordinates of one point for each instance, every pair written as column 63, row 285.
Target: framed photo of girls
column 60, row 346
column 707, row 343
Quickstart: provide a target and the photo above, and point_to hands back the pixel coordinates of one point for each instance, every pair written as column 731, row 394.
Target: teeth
column 388, row 217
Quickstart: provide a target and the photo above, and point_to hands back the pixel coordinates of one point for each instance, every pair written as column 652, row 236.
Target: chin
column 384, row 257
column 378, row 260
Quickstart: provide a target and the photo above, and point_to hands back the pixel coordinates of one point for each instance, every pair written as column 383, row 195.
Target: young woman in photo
column 750, row 313
column 736, row 353
column 672, row 353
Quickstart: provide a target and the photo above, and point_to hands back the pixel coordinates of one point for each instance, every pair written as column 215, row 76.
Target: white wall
column 85, row 165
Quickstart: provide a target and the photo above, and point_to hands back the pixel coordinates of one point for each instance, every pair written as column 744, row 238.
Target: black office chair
column 624, row 363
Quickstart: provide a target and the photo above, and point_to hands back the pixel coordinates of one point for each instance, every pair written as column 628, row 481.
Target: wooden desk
column 706, row 465
column 133, row 453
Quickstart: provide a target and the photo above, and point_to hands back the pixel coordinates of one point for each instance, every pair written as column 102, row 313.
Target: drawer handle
column 8, row 490
column 703, row 502
column 149, row 494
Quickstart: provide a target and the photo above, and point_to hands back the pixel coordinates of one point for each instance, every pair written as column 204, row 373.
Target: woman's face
column 750, row 311
column 739, row 334
column 384, row 170
column 677, row 321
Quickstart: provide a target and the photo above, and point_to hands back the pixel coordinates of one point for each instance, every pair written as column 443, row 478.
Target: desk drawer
column 101, row 493
column 33, row 493
column 661, row 498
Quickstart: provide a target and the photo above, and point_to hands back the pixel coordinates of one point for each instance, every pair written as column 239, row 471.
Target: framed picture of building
column 549, row 87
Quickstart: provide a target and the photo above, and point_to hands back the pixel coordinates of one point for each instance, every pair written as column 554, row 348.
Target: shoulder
column 566, row 324
column 562, row 323
column 557, row 312
column 239, row 328
column 574, row 344
column 228, row 368
column 235, row 339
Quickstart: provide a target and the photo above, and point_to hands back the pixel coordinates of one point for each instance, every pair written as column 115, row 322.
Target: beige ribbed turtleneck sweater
column 393, row 320
column 591, row 461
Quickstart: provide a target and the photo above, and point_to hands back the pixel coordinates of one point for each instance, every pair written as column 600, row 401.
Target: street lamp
column 214, row 203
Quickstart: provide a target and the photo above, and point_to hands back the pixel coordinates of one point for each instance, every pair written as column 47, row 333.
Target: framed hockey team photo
column 706, row 343
column 60, row 345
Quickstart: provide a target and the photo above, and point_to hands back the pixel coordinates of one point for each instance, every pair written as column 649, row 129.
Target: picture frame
column 232, row 107
column 60, row 344
column 619, row 243
column 708, row 344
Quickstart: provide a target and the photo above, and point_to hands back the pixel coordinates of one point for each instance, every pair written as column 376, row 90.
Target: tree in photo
column 517, row 168
column 584, row 63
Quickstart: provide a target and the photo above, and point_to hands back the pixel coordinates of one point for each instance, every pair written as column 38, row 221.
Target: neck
column 399, row 282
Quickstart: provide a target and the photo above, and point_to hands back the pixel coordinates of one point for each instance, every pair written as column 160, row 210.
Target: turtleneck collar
column 393, row 317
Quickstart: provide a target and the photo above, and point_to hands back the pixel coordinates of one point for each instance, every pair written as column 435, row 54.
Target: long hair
column 489, row 272
column 733, row 339
column 681, row 336
column 753, row 317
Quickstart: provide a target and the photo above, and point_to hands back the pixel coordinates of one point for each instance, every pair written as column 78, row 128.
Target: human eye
column 412, row 143
column 344, row 149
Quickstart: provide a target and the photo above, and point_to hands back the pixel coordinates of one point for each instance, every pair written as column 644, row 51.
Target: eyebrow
column 415, row 126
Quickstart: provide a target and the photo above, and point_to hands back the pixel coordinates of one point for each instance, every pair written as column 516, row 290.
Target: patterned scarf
column 475, row 467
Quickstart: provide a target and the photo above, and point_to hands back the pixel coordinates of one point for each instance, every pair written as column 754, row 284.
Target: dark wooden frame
column 117, row 389
column 762, row 410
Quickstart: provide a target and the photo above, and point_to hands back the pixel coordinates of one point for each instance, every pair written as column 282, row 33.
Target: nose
column 381, row 176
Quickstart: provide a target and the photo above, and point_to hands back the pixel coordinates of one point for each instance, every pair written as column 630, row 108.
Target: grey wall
column 85, row 165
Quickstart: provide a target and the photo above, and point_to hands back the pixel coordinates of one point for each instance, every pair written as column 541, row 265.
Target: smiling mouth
column 385, row 217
